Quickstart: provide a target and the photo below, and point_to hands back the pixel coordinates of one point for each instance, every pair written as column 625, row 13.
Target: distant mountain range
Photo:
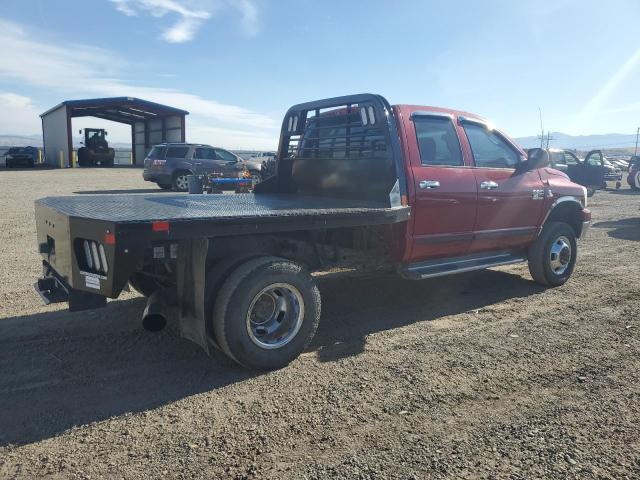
column 560, row 140
column 582, row 142
column 36, row 141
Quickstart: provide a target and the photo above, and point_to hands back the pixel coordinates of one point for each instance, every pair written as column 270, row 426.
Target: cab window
column 438, row 141
column 177, row 152
column 225, row 156
column 570, row 159
column 489, row 149
column 205, row 153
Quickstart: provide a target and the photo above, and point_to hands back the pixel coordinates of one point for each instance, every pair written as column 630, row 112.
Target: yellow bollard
column 39, row 155
column 74, row 159
column 61, row 158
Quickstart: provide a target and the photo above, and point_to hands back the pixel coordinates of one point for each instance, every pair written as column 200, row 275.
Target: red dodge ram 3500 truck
column 417, row 190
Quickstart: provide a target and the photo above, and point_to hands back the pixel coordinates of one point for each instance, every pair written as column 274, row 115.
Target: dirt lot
column 482, row 375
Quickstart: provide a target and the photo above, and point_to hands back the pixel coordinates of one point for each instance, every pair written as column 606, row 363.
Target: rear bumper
column 157, row 177
column 53, row 289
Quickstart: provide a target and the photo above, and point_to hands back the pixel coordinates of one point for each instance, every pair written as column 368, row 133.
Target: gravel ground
column 481, row 375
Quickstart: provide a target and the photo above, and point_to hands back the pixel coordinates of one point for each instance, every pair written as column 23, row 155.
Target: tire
column 143, row 284
column 164, row 186
column 635, row 184
column 283, row 296
column 216, row 276
column 180, row 182
column 548, row 261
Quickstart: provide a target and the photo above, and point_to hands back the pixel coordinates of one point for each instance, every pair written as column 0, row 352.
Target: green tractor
column 96, row 150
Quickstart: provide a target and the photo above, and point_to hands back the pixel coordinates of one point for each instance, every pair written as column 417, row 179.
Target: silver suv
column 169, row 164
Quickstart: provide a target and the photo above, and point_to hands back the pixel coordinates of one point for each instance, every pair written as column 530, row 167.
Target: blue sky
column 237, row 65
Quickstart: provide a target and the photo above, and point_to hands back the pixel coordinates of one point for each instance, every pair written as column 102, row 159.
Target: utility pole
column 541, row 129
column 637, row 135
column 549, row 138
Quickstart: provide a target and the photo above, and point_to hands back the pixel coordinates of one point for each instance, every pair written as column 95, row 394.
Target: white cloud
column 249, row 14
column 191, row 14
column 84, row 71
column 19, row 114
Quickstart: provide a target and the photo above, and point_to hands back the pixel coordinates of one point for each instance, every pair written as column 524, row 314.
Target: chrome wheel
column 275, row 315
column 182, row 184
column 560, row 255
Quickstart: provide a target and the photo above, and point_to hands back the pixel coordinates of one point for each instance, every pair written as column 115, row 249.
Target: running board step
column 448, row 266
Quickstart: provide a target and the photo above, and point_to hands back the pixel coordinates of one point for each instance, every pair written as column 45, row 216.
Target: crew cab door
column 510, row 201
column 444, row 192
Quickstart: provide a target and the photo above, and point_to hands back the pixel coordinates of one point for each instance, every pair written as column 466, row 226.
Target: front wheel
column 266, row 313
column 552, row 257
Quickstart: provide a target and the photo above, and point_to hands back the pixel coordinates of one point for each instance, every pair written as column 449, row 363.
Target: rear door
column 204, row 160
column 510, row 201
column 443, row 185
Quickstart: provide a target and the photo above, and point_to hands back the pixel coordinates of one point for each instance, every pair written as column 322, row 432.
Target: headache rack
column 344, row 147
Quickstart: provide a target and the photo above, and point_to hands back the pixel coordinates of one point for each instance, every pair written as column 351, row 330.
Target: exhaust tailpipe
column 154, row 317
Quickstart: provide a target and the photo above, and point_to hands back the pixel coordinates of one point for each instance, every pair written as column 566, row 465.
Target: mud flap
column 191, row 275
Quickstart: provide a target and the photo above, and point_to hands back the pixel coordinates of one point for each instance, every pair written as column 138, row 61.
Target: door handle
column 489, row 185
column 429, row 184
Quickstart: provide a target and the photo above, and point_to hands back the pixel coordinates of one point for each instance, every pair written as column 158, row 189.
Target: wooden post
column 61, row 158
column 74, row 159
column 39, row 155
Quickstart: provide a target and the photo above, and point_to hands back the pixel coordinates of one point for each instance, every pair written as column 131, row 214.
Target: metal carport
column 151, row 123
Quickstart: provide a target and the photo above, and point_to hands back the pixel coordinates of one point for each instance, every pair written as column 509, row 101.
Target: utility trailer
column 420, row 191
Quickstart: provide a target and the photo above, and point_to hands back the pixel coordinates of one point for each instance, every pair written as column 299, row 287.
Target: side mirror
column 106, row 133
column 537, row 158
column 80, row 131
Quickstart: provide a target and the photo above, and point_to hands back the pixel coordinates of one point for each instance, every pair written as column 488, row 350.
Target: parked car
column 419, row 191
column 593, row 172
column 169, row 164
column 21, row 157
column 633, row 177
column 256, row 163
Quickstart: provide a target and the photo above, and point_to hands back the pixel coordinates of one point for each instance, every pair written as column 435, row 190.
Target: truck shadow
column 623, row 229
column 354, row 309
column 60, row 370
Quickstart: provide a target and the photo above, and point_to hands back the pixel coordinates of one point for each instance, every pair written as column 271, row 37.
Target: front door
column 445, row 193
column 227, row 163
column 594, row 169
column 510, row 201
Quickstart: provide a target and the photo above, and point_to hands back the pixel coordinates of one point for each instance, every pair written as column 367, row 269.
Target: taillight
column 95, row 258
